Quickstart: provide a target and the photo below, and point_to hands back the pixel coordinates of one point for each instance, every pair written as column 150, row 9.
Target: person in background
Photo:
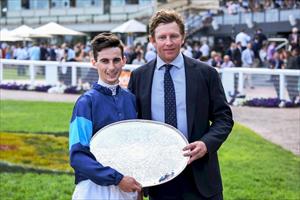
column 204, row 48
column 150, row 53
column 217, row 60
column 8, row 52
column 53, row 52
column 212, row 55
column 227, row 63
column 188, row 95
column 294, row 38
column 197, row 54
column 139, row 60
column 235, row 54
column 44, row 54
column 256, row 46
column 243, row 38
column 261, row 37
column 129, row 54
column 34, row 52
column 271, row 50
column 263, row 55
column 105, row 103
column 293, row 81
column 187, row 50
column 3, row 48
column 248, row 61
column 71, row 55
column 21, row 54
column 276, row 63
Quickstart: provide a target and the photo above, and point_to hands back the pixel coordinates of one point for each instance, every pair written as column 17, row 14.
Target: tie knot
column 168, row 67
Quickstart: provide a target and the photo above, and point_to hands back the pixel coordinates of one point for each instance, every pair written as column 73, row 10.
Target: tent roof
column 5, row 35
column 26, row 32
column 53, row 28
column 131, row 26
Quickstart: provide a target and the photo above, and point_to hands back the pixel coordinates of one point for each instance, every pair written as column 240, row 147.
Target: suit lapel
column 148, row 79
column 191, row 91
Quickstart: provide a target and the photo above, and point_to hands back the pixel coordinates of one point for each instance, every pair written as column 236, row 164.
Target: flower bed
column 270, row 103
column 35, row 151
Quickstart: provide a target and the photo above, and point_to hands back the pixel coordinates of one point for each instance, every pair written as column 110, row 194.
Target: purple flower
column 42, row 88
column 72, row 90
column 269, row 102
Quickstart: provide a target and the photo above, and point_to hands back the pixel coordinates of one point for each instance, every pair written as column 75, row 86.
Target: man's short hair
column 106, row 40
column 166, row 17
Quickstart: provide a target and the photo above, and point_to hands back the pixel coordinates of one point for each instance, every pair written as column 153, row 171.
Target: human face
column 167, row 40
column 109, row 64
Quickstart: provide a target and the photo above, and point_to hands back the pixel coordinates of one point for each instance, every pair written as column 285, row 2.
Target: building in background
column 89, row 15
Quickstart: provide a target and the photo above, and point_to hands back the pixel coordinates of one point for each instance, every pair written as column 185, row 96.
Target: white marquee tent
column 53, row 28
column 131, row 26
column 6, row 36
column 25, row 31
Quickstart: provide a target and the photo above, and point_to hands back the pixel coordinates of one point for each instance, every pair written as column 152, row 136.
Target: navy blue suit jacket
column 206, row 102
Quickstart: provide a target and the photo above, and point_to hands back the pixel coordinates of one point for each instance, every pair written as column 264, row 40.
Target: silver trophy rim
column 180, row 170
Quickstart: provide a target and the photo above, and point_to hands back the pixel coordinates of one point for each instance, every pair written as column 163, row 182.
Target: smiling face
column 167, row 40
column 109, row 64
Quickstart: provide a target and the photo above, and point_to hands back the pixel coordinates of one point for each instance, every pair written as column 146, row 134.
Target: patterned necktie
column 170, row 98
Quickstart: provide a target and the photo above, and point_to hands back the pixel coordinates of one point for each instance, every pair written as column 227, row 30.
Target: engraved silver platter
column 149, row 151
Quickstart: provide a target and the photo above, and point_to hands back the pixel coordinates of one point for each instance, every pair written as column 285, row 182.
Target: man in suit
column 194, row 90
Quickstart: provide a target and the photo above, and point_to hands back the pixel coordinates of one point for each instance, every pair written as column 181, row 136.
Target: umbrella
column 5, row 35
column 26, row 32
column 131, row 26
column 56, row 29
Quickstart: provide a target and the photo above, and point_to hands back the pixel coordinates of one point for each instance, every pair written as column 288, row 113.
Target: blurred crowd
column 245, row 50
column 33, row 51
column 234, row 7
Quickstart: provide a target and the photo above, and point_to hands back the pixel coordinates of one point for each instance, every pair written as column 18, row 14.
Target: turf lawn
column 35, row 117
column 11, row 73
column 252, row 168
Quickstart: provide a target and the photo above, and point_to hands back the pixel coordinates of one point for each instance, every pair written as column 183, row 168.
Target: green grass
column 35, row 117
column 11, row 73
column 252, row 168
column 33, row 186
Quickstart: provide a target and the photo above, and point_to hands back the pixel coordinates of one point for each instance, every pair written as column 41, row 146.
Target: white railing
column 228, row 78
column 232, row 78
column 51, row 69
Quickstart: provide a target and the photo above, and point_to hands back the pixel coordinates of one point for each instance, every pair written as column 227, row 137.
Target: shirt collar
column 113, row 88
column 178, row 62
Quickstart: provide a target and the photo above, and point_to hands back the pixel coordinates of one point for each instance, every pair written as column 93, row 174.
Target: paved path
column 279, row 125
column 36, row 96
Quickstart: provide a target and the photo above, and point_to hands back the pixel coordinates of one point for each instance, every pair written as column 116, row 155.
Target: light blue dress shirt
column 247, row 57
column 157, row 97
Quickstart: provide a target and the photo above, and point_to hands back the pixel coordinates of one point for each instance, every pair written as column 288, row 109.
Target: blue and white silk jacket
column 93, row 110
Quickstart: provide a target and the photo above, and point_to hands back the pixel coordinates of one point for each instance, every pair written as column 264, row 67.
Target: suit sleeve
column 131, row 82
column 81, row 159
column 219, row 114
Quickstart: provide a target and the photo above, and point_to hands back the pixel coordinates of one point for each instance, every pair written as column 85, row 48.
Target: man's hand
column 195, row 150
column 129, row 184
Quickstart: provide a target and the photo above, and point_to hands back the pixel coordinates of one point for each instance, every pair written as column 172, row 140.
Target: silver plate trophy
column 149, row 151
